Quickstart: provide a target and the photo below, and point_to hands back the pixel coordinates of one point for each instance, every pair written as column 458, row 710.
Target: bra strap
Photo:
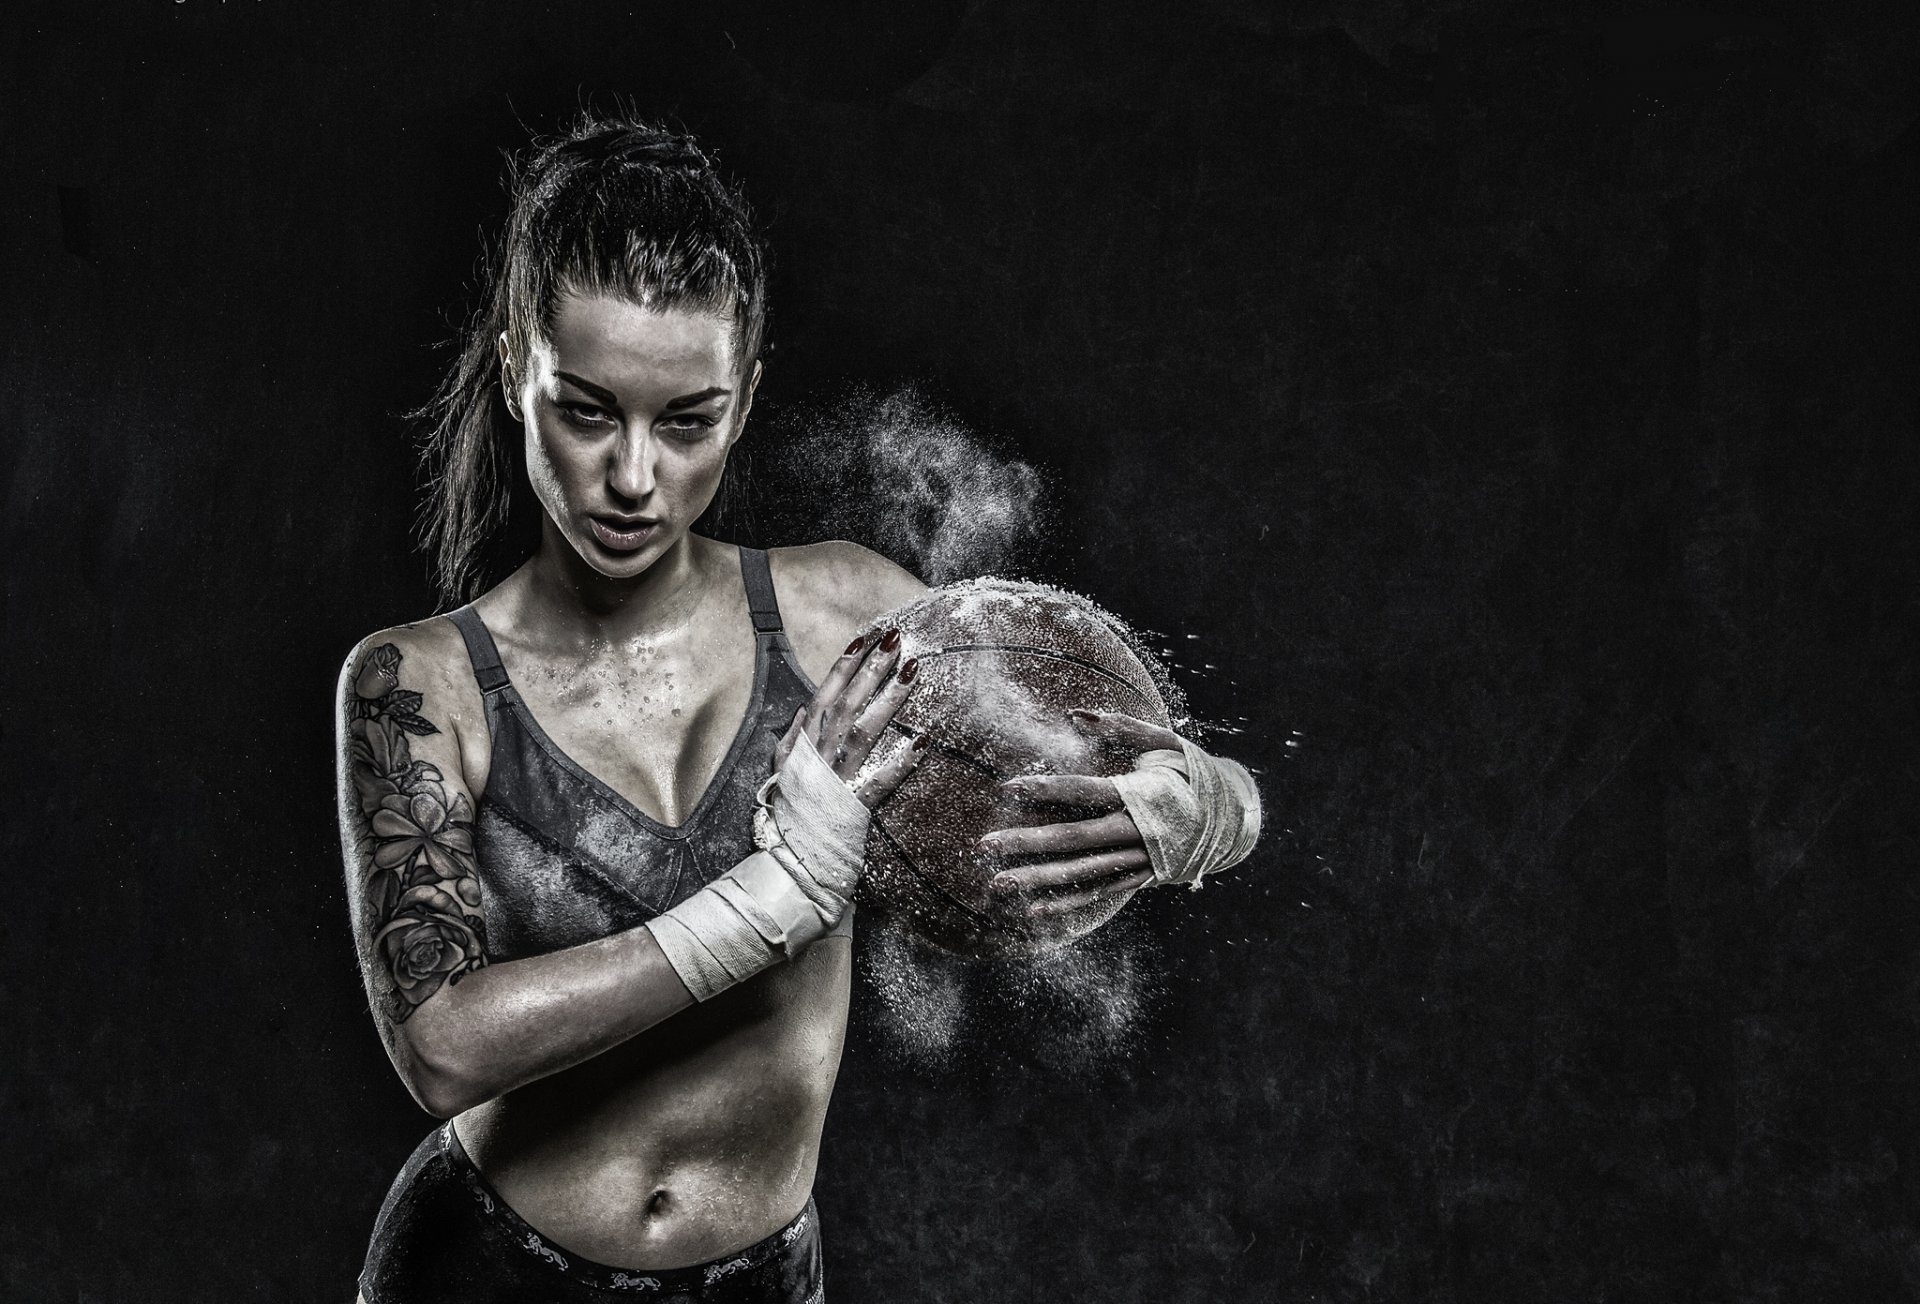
column 760, row 600
column 487, row 669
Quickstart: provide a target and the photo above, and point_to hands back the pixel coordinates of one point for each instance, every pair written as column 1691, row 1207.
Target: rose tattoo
column 428, row 930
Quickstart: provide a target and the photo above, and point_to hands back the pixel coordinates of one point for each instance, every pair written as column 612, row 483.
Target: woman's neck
column 565, row 603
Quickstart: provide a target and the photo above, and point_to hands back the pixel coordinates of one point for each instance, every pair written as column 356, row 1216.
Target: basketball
column 1001, row 664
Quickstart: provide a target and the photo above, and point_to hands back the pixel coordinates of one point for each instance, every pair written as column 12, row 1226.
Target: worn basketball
column 1001, row 664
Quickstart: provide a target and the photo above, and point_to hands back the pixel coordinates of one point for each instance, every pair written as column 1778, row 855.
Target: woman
column 603, row 824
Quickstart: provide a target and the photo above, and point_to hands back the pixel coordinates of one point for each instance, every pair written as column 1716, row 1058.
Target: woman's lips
column 622, row 536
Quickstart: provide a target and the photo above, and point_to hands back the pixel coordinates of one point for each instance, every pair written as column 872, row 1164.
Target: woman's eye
column 689, row 427
column 584, row 416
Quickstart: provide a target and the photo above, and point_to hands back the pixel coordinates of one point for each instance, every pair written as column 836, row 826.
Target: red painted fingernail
column 890, row 641
column 855, row 646
column 923, row 742
column 909, row 670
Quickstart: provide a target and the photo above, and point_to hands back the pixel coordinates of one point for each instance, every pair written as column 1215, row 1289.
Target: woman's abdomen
column 696, row 1137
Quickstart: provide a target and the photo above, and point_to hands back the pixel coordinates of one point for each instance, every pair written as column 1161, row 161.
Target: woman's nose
column 631, row 472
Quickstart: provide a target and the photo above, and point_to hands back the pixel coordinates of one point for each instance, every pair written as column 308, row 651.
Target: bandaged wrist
column 750, row 918
column 812, row 833
column 814, row 825
column 1196, row 813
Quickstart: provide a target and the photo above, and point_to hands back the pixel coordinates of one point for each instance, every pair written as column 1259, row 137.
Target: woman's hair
column 614, row 206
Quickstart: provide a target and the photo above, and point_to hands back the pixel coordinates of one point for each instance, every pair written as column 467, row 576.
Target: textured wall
column 1518, row 407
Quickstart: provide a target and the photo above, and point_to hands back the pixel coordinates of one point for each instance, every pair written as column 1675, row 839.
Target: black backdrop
column 1517, row 406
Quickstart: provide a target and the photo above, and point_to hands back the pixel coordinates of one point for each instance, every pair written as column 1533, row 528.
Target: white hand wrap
column 1196, row 813
column 810, row 821
column 812, row 834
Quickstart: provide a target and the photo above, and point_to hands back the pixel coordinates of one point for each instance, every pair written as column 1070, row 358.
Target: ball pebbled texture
column 1002, row 662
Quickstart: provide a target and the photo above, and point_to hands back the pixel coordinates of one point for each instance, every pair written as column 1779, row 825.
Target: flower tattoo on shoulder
column 428, row 930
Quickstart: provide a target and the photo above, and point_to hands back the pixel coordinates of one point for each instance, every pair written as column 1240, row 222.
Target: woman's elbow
column 441, row 1079
column 439, row 1095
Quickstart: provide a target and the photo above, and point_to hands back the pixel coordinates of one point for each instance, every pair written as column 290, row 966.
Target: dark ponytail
column 614, row 206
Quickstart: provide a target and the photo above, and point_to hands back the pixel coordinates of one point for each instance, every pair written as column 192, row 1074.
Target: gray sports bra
column 563, row 858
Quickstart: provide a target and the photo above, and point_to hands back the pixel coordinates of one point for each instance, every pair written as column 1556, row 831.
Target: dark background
column 1517, row 405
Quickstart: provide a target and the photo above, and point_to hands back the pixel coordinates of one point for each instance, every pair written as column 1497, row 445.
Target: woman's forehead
column 614, row 338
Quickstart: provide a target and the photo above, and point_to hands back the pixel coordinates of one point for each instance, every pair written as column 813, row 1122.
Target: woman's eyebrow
column 694, row 400
column 612, row 400
column 590, row 389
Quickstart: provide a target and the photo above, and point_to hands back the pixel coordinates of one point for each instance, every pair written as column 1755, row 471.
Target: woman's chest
column 654, row 730
column 565, row 856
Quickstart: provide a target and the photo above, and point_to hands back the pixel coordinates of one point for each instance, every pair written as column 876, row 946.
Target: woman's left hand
column 1089, row 859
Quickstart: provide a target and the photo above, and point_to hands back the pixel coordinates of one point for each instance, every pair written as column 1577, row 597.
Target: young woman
column 603, row 823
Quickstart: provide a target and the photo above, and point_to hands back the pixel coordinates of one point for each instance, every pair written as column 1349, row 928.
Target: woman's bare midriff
column 694, row 1139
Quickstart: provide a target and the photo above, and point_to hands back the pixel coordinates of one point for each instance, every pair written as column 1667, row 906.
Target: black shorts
column 445, row 1236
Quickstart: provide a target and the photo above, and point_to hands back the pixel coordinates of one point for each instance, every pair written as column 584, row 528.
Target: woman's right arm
column 461, row 1030
column 458, row 1029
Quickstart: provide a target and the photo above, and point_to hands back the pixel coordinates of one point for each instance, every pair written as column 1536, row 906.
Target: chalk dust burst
column 1071, row 1010
column 907, row 478
column 904, row 476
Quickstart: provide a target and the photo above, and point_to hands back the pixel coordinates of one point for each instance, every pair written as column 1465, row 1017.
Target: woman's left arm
column 1178, row 816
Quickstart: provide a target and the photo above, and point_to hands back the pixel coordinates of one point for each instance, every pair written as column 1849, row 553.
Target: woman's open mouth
column 621, row 534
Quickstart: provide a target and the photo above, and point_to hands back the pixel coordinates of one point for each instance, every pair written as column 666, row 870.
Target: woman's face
column 629, row 413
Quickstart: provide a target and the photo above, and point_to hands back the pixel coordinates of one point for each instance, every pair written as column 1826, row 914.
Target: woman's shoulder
column 831, row 591
column 426, row 656
column 840, row 581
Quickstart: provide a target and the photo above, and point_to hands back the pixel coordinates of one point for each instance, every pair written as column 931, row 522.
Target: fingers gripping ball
column 1001, row 664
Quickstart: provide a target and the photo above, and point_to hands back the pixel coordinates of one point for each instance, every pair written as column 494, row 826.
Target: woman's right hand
column 850, row 712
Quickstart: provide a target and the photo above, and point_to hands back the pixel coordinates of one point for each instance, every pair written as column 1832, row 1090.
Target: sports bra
column 563, row 858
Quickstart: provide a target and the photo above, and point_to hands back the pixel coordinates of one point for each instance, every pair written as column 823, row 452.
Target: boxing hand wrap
column 748, row 919
column 812, row 834
column 810, row 821
column 1196, row 813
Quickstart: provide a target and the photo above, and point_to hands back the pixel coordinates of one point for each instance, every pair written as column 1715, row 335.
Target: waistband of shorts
column 601, row 1276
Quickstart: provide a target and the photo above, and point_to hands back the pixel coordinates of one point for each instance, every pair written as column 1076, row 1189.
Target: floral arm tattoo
column 417, row 845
